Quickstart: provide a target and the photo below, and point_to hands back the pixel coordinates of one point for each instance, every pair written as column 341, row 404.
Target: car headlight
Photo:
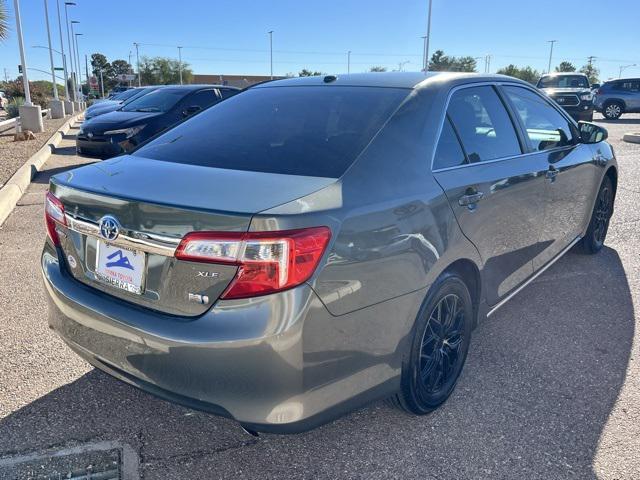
column 586, row 96
column 128, row 132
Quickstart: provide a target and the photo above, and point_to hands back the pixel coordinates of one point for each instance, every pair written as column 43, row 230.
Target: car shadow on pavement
column 540, row 383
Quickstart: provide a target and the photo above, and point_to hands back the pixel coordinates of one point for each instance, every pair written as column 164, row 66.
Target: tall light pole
column 402, row 64
column 138, row 63
column 180, row 63
column 53, row 71
column 76, row 35
column 30, row 115
column 25, row 80
column 64, row 60
column 426, row 40
column 349, row 61
column 550, row 54
column 424, row 53
column 623, row 68
column 71, row 54
column 271, row 51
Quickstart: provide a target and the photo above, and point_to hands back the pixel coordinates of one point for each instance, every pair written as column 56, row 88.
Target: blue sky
column 230, row 37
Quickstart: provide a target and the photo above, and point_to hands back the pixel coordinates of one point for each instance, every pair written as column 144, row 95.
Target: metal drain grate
column 97, row 461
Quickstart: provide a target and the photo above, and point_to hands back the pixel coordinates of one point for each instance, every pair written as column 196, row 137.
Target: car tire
column 441, row 338
column 593, row 241
column 612, row 110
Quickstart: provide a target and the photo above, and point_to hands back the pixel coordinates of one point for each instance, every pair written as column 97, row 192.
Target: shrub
column 13, row 108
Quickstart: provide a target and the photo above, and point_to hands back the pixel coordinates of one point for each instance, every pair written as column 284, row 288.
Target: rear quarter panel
column 393, row 231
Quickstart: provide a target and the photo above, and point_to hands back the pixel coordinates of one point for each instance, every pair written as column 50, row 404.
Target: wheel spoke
column 441, row 343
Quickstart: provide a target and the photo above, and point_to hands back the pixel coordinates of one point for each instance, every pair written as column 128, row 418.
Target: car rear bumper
column 278, row 363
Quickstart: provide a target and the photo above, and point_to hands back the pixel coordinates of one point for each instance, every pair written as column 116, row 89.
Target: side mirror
column 191, row 110
column 592, row 133
column 595, row 86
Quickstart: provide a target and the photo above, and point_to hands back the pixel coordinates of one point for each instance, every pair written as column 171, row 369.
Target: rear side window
column 483, row 124
column 545, row 126
column 202, row 99
column 227, row 92
column 449, row 153
column 306, row 130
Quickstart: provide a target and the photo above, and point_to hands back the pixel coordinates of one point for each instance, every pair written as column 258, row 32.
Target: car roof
column 563, row 74
column 198, row 86
column 410, row 80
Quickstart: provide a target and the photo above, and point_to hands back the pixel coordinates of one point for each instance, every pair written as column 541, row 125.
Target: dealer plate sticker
column 120, row 267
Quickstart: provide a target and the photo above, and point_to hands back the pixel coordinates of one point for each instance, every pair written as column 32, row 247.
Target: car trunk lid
column 154, row 205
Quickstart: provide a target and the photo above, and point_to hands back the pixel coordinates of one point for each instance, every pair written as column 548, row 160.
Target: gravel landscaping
column 14, row 154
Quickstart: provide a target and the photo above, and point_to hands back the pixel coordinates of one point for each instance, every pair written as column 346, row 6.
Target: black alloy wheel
column 440, row 345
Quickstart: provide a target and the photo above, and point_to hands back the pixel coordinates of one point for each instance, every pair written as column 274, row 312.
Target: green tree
column 4, row 21
column 378, row 69
column 308, row 73
column 591, row 71
column 527, row 73
column 443, row 63
column 121, row 67
column 565, row 67
column 163, row 71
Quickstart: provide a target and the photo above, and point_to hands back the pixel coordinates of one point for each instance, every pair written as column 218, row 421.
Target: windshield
column 161, row 100
column 310, row 130
column 139, row 92
column 124, row 95
column 563, row 81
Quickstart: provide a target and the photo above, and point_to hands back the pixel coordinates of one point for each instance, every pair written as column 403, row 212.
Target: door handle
column 552, row 173
column 470, row 199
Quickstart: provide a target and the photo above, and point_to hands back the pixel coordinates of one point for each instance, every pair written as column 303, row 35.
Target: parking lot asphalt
column 551, row 388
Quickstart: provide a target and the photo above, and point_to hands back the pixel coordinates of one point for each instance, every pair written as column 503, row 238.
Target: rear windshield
column 564, row 81
column 161, row 100
column 304, row 130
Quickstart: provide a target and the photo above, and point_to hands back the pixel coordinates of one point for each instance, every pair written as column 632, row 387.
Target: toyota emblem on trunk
column 109, row 228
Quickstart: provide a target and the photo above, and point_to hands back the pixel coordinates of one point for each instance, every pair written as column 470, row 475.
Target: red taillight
column 53, row 213
column 267, row 262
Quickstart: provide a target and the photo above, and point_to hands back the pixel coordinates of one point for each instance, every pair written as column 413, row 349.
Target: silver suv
column 616, row 97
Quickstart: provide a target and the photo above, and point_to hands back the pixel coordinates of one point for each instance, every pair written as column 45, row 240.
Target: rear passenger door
column 496, row 192
column 571, row 175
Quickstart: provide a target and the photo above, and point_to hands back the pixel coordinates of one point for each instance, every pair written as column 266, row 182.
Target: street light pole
column 71, row 54
column 64, row 60
column 424, row 53
column 180, row 63
column 349, row 61
column 426, row 41
column 76, row 35
column 138, row 63
column 623, row 68
column 25, row 80
column 53, row 71
column 550, row 54
column 271, row 51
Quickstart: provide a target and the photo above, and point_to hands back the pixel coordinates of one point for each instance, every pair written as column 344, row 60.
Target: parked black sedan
column 121, row 131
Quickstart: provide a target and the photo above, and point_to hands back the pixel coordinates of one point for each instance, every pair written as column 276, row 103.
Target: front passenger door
column 496, row 193
column 571, row 175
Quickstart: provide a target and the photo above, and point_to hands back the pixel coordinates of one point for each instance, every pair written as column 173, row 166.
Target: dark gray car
column 313, row 244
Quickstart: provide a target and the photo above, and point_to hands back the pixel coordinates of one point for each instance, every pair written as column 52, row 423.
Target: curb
column 16, row 186
column 631, row 137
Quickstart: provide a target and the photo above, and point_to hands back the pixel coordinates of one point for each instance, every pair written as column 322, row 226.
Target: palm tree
column 4, row 21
